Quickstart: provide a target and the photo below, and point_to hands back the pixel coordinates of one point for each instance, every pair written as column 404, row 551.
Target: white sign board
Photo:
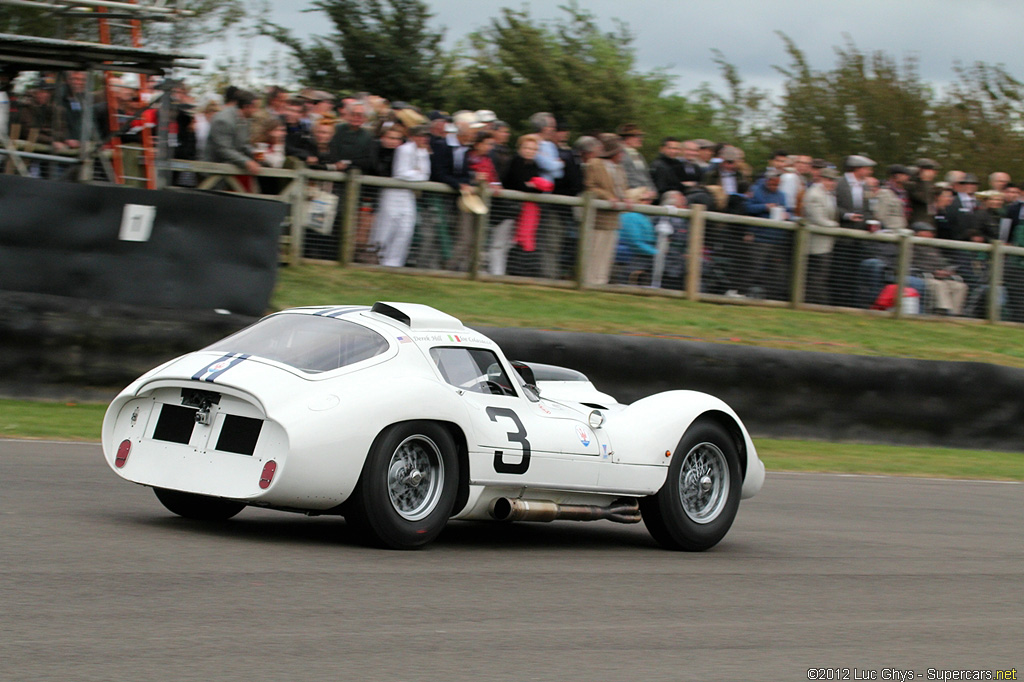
column 137, row 222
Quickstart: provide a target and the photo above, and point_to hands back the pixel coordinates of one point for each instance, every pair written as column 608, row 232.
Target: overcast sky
column 679, row 35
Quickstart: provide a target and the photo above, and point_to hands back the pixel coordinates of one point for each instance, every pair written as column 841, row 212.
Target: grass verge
column 52, row 421
column 506, row 305
column 81, row 422
column 858, row 458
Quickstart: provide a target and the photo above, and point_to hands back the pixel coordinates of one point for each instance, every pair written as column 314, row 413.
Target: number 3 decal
column 518, row 436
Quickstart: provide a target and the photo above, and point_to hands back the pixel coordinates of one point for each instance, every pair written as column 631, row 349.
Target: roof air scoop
column 392, row 312
column 418, row 317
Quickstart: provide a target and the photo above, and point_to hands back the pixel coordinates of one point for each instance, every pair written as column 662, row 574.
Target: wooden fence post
column 695, row 252
column 297, row 212
column 995, row 280
column 349, row 219
column 798, row 275
column 902, row 269
column 584, row 235
column 479, row 231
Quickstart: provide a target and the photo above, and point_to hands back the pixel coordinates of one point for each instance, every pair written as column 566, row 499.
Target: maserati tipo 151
column 400, row 418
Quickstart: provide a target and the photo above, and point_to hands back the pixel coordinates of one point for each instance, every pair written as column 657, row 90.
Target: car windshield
column 307, row 342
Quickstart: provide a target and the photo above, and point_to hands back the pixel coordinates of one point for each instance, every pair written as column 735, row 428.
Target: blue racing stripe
column 338, row 312
column 219, row 366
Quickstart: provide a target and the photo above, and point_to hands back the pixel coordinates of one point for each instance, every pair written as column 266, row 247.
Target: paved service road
column 98, row 582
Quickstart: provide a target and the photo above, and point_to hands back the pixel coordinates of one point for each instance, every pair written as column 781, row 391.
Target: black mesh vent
column 239, row 434
column 175, row 424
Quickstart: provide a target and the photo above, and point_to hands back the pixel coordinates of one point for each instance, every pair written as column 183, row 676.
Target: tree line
column 867, row 103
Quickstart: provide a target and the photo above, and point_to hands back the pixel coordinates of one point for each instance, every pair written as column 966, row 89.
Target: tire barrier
column 800, row 394
column 53, row 346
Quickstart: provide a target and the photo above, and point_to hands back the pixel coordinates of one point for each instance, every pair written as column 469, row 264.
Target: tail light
column 268, row 474
column 123, row 450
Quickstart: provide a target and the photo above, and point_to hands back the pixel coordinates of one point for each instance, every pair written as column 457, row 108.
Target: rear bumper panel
column 221, row 454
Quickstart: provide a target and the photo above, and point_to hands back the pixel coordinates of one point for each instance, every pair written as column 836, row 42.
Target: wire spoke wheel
column 415, row 477
column 704, row 482
column 408, row 486
column 696, row 506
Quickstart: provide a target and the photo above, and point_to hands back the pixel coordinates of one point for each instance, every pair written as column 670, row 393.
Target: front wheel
column 407, row 489
column 697, row 504
column 199, row 507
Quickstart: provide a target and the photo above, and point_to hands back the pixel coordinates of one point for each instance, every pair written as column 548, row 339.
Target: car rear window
column 307, row 342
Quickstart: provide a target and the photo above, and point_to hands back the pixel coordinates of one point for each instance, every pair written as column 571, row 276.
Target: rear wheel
column 199, row 507
column 697, row 504
column 407, row 489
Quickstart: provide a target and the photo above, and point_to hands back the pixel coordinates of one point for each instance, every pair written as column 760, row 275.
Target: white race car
column 399, row 418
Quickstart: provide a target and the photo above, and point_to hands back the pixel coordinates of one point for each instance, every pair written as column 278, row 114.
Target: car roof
column 415, row 316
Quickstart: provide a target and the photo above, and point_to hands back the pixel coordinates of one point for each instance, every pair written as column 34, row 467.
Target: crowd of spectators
column 314, row 129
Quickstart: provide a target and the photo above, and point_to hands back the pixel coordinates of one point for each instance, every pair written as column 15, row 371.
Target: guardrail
column 707, row 256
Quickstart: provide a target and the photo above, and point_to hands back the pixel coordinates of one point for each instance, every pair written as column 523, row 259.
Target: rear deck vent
column 175, row 424
column 239, row 434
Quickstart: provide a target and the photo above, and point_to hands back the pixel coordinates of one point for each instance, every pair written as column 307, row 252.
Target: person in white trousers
column 395, row 220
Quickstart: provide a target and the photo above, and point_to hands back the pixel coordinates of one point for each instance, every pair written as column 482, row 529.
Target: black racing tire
column 407, row 488
column 198, row 507
column 698, row 502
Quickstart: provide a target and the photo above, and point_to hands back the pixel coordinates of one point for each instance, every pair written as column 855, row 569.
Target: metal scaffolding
column 99, row 59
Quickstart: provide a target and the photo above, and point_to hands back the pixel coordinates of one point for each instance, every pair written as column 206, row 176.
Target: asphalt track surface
column 98, row 582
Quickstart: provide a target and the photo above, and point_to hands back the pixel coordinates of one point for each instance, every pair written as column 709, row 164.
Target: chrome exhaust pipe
column 619, row 511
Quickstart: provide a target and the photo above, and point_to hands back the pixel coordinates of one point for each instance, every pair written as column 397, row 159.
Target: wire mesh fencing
column 321, row 229
column 1013, row 288
column 527, row 237
column 427, row 226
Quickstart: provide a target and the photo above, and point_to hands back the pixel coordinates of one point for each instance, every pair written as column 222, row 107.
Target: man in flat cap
column 729, row 176
column 892, row 208
column 921, row 191
column 853, row 196
column 638, row 174
column 819, row 207
column 852, row 192
column 961, row 215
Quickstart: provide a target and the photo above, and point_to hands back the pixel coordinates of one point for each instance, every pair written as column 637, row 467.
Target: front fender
column 643, row 432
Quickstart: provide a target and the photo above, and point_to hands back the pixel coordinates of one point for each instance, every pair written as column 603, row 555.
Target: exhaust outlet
column 620, row 511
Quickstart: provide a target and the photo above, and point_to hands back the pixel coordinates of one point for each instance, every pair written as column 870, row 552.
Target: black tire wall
column 801, row 394
column 59, row 347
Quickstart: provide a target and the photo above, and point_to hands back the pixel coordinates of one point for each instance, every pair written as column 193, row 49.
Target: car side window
column 473, row 369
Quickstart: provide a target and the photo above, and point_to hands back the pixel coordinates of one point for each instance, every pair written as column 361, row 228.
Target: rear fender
column 329, row 448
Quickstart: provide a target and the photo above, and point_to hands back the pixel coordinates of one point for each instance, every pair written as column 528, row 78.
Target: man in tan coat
column 819, row 206
column 892, row 205
column 604, row 176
